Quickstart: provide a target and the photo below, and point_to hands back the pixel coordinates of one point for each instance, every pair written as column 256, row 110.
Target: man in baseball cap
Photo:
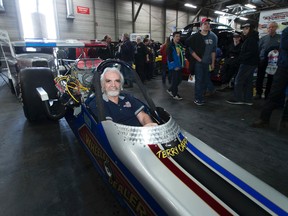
column 248, row 25
column 202, row 46
column 205, row 19
column 236, row 34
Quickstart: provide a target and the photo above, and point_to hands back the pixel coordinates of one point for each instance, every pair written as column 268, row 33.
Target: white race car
column 160, row 170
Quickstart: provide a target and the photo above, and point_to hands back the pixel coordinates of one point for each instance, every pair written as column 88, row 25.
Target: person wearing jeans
column 248, row 58
column 175, row 60
column 202, row 75
column 244, row 78
column 202, row 47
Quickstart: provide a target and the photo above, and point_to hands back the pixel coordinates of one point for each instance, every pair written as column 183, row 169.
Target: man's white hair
column 273, row 23
column 111, row 69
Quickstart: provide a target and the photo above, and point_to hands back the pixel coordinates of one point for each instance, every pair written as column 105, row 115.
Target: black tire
column 30, row 79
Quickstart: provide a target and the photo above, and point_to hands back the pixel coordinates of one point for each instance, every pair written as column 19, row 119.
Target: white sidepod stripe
column 131, row 147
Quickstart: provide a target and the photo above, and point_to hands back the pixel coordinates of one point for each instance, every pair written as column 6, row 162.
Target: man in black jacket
column 107, row 53
column 141, row 57
column 127, row 52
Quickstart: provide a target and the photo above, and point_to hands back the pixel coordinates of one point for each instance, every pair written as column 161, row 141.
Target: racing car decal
column 252, row 193
column 115, row 177
column 193, row 185
column 192, row 160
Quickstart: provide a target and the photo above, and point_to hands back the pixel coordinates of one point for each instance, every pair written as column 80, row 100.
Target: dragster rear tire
column 30, row 79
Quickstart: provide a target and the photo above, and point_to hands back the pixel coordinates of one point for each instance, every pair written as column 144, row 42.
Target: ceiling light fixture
column 250, row 6
column 220, row 12
column 190, row 5
column 243, row 18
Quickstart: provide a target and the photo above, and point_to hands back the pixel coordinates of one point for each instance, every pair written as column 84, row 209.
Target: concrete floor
column 44, row 170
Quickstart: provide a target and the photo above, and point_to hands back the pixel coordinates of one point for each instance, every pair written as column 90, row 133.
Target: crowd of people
column 141, row 53
column 245, row 55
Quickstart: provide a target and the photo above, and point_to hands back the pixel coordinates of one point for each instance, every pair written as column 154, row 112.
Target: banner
column 266, row 17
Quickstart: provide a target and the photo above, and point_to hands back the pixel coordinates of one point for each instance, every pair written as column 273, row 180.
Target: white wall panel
column 86, row 26
column 9, row 19
column 82, row 27
column 104, row 10
column 182, row 20
column 170, row 21
column 124, row 9
column 142, row 23
column 157, row 24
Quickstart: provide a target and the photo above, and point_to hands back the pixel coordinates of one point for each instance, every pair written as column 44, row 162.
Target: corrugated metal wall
column 105, row 19
column 9, row 19
column 81, row 27
column 112, row 17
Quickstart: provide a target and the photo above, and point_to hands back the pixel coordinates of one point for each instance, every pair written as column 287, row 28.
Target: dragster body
column 164, row 170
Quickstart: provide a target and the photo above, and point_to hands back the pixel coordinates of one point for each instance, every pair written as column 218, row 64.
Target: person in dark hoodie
column 231, row 62
column 248, row 58
column 127, row 52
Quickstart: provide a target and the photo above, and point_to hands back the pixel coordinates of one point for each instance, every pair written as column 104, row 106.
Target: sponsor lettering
column 276, row 16
column 130, row 197
column 173, row 151
column 95, row 149
column 117, row 180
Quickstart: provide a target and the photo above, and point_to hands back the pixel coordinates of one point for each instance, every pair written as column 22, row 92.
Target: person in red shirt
column 164, row 60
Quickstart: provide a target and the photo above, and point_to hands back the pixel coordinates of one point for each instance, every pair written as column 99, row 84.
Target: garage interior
column 45, row 171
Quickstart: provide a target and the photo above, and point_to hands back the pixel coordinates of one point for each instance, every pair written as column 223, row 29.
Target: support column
column 176, row 20
column 150, row 21
column 94, row 20
column 133, row 14
column 116, row 29
column 164, row 24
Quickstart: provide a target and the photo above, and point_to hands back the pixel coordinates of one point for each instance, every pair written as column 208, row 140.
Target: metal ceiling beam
column 138, row 11
column 197, row 14
column 217, row 3
column 272, row 3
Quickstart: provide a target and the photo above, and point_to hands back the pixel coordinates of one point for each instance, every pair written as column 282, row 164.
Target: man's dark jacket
column 196, row 43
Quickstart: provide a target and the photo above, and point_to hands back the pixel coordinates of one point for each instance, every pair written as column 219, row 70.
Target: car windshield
column 21, row 50
column 218, row 26
column 196, row 26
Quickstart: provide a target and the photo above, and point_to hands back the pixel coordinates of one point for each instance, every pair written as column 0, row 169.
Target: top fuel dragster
column 160, row 170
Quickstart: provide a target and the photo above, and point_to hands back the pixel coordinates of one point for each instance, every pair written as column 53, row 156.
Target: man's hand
column 145, row 119
column 152, row 124
column 212, row 66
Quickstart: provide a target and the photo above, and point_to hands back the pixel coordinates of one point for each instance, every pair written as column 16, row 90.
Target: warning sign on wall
column 83, row 10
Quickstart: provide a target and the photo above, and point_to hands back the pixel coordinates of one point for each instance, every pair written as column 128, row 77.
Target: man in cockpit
column 121, row 108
